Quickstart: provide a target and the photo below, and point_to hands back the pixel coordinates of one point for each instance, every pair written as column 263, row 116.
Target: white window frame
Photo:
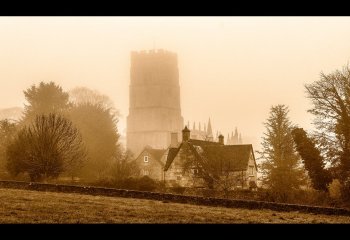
column 146, row 159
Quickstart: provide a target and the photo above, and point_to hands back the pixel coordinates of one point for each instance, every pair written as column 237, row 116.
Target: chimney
column 221, row 139
column 185, row 134
column 174, row 140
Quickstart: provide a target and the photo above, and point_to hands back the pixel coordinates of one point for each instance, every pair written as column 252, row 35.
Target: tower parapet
column 154, row 66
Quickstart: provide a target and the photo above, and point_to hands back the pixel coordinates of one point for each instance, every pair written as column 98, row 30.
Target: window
column 145, row 172
column 251, row 170
column 145, row 159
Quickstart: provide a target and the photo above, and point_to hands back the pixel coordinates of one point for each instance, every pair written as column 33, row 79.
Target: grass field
column 22, row 206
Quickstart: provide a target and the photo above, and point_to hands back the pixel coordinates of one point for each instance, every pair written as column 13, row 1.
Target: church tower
column 154, row 100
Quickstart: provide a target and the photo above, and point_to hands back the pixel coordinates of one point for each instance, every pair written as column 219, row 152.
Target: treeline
column 317, row 161
column 64, row 134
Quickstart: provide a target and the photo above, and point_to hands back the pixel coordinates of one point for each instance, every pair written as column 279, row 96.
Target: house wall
column 152, row 168
column 175, row 175
column 249, row 175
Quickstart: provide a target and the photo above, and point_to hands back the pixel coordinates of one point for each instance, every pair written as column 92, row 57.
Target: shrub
column 146, row 184
column 334, row 189
column 176, row 188
column 345, row 193
column 252, row 185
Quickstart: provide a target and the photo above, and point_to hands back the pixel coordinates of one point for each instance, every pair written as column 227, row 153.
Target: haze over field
column 232, row 69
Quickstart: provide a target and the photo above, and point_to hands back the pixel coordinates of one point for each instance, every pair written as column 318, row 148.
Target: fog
column 232, row 69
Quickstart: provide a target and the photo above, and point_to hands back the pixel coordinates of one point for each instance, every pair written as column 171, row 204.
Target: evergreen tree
column 45, row 98
column 280, row 167
column 98, row 127
column 312, row 159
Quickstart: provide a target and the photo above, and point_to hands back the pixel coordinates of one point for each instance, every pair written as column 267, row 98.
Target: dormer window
column 145, row 159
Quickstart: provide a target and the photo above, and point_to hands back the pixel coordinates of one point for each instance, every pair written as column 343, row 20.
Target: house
column 197, row 163
column 151, row 162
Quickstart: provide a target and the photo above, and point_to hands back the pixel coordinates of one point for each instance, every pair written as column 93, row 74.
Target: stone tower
column 154, row 100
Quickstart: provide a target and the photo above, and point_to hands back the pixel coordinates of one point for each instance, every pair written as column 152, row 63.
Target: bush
column 334, row 189
column 146, row 184
column 345, row 193
column 252, row 185
column 176, row 188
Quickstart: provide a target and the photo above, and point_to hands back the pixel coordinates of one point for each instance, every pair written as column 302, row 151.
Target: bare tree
column 124, row 167
column 46, row 148
column 330, row 96
column 84, row 95
column 226, row 182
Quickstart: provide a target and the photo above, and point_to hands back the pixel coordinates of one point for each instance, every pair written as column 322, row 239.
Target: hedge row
column 208, row 201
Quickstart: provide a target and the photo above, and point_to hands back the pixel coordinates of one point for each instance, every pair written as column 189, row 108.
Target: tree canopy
column 98, row 127
column 45, row 98
column 330, row 96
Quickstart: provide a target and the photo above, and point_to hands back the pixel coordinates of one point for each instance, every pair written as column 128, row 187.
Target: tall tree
column 46, row 148
column 330, row 96
column 313, row 161
column 45, row 98
column 7, row 134
column 280, row 165
column 98, row 127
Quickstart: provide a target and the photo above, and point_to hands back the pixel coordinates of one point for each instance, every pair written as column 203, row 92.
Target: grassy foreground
column 22, row 206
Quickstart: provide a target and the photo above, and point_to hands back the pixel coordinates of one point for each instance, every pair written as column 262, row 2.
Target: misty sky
column 231, row 69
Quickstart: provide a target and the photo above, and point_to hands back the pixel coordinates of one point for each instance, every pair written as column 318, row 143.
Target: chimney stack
column 185, row 134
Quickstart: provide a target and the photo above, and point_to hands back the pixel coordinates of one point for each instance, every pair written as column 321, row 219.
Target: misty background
column 232, row 69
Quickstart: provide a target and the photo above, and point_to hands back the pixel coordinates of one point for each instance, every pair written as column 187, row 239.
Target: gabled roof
column 215, row 156
column 229, row 157
column 171, row 156
column 156, row 154
column 193, row 142
column 203, row 143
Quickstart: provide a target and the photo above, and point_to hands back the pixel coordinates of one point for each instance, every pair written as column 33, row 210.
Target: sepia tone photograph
column 174, row 120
